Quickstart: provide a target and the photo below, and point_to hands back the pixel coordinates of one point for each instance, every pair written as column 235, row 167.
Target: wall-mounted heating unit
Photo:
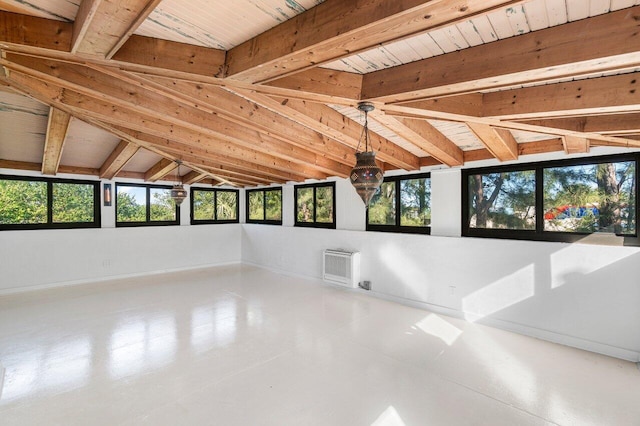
column 341, row 267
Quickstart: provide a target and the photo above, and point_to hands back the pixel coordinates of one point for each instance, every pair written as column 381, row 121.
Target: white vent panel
column 341, row 267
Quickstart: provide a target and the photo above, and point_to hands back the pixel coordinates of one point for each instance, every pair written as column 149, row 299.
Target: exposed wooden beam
column 323, row 81
column 338, row 28
column 408, row 112
column 246, row 112
column 575, row 145
column 92, row 110
column 467, row 104
column 332, row 124
column 423, row 135
column 57, row 128
column 613, row 94
column 192, row 177
column 84, row 17
column 118, row 159
column 160, row 170
column 153, row 54
column 499, row 142
column 539, row 55
column 618, row 124
column 103, row 27
column 120, row 97
column 71, row 170
column 39, row 33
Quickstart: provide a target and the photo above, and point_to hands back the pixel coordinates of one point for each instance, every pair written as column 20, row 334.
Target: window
column 214, row 206
column 143, row 205
column 315, row 205
column 40, row 203
column 402, row 204
column 554, row 201
column 264, row 206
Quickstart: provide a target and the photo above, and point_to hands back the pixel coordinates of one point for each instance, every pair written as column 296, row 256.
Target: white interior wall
column 577, row 294
column 44, row 258
column 581, row 294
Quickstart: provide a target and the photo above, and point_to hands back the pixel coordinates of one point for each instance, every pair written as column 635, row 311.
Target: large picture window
column 402, row 204
column 210, row 205
column 315, row 205
column 143, row 205
column 555, row 201
column 264, row 206
column 40, row 203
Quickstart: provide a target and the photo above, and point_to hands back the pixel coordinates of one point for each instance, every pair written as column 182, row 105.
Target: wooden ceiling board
column 142, row 161
column 60, row 10
column 220, row 24
column 86, row 145
column 23, row 127
column 501, row 24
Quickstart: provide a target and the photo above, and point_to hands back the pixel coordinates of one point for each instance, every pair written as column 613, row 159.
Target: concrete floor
column 238, row 345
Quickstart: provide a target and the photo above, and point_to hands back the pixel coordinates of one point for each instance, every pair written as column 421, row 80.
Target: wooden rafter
column 160, row 170
column 118, row 158
column 499, row 142
column 92, row 90
column 575, row 145
column 192, row 177
column 331, row 123
column 539, row 55
column 57, row 128
column 424, row 136
column 618, row 124
column 102, row 27
column 338, row 28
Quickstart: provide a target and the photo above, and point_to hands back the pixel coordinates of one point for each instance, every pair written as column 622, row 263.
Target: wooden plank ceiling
column 249, row 93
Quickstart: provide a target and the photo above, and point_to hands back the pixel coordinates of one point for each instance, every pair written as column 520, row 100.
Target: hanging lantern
column 178, row 193
column 366, row 176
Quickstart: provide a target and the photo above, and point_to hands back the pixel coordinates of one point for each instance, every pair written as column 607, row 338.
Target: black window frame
column 97, row 200
column 148, row 221
column 426, row 230
column 264, row 220
column 215, row 191
column 314, row 224
column 539, row 234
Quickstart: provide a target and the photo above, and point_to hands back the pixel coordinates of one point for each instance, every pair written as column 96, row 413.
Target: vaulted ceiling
column 249, row 92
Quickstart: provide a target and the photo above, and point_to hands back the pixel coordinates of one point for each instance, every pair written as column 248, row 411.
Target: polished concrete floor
column 239, row 345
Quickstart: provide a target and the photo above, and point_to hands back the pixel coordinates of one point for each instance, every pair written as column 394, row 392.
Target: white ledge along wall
column 582, row 295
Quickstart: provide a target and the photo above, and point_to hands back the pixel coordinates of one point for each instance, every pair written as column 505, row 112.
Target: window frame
column 194, row 221
column 540, row 234
column 97, row 200
column 148, row 221
column 426, row 230
column 264, row 220
column 314, row 224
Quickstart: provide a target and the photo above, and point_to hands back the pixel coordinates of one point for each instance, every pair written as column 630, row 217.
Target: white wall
column 581, row 295
column 44, row 258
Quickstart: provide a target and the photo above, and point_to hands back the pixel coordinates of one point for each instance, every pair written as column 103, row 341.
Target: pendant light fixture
column 366, row 176
column 178, row 193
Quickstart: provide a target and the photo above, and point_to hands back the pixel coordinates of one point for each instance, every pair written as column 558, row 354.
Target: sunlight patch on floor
column 435, row 326
column 389, row 417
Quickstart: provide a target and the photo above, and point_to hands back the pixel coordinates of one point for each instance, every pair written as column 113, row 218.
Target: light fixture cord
column 365, row 133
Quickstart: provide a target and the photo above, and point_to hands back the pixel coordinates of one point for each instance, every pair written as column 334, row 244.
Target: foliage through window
column 210, row 205
column 557, row 201
column 315, row 205
column 264, row 206
column 33, row 203
column 504, row 200
column 138, row 204
column 412, row 194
